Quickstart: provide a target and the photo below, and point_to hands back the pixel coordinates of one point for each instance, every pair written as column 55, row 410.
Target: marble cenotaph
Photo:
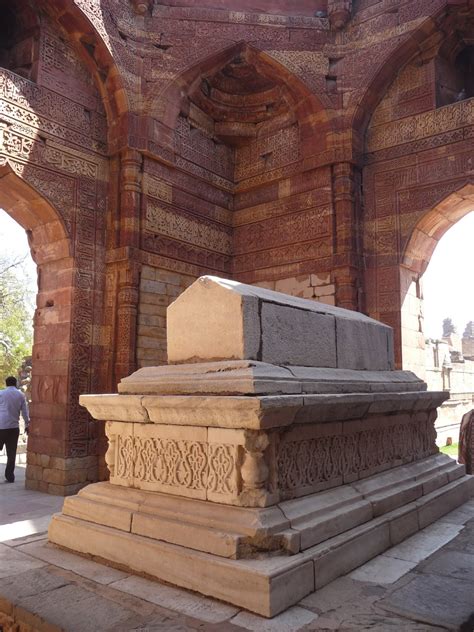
column 278, row 450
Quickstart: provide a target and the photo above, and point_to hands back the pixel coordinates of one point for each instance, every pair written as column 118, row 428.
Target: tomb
column 278, row 450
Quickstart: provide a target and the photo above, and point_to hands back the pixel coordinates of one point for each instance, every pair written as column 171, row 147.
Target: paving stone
column 379, row 623
column 459, row 516
column 451, row 564
column 290, row 621
column 335, row 594
column 86, row 568
column 438, row 600
column 24, row 528
column 34, row 537
column 12, row 562
column 464, row 542
column 382, row 570
column 421, row 545
column 177, row 599
column 30, row 583
column 79, row 610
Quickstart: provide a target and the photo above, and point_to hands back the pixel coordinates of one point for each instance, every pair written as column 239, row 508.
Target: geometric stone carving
column 266, row 478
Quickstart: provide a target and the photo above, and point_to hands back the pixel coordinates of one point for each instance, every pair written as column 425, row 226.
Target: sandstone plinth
column 279, row 451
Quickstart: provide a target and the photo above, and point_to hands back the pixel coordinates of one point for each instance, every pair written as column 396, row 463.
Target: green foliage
column 450, row 450
column 448, row 327
column 16, row 324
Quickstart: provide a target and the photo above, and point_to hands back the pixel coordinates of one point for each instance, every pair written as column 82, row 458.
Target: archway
column 53, row 180
column 424, row 238
column 51, row 250
column 417, row 155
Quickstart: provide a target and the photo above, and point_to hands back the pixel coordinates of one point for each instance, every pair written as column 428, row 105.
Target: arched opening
column 417, row 155
column 54, row 182
column 420, row 246
column 51, row 251
column 438, row 307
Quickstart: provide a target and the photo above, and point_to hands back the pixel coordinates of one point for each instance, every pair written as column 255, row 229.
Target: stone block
column 293, row 285
column 266, row 588
column 150, row 342
column 323, row 278
column 181, row 533
column 403, row 524
column 363, row 345
column 227, row 328
column 285, row 341
column 324, row 290
column 92, row 511
column 44, row 460
column 443, row 500
column 153, row 332
column 148, row 273
column 216, row 319
column 348, row 551
column 172, row 278
column 152, row 287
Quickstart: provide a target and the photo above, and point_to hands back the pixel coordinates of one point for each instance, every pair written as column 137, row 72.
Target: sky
column 448, row 283
column 14, row 243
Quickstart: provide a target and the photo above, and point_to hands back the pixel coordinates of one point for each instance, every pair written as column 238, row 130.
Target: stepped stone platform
column 277, row 451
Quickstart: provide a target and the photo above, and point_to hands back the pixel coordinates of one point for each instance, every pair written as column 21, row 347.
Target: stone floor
column 424, row 584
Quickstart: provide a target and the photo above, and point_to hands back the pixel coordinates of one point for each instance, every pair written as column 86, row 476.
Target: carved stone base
column 262, row 559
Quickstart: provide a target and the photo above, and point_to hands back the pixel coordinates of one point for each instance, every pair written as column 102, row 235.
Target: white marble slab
column 424, row 543
column 176, row 599
column 290, row 621
column 99, row 573
column 382, row 570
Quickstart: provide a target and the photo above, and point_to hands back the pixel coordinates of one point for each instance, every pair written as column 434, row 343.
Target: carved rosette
column 141, row 7
column 339, row 13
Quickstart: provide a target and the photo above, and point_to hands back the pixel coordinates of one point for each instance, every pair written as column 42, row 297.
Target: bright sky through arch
column 14, row 242
column 448, row 283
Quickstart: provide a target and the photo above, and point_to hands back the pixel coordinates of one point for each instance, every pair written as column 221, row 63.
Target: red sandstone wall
column 248, row 139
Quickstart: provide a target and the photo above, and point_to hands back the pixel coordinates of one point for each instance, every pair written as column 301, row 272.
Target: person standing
column 12, row 403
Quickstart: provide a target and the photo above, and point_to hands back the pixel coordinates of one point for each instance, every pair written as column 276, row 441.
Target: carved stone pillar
column 126, row 267
column 339, row 13
column 127, row 311
column 346, row 237
column 130, row 197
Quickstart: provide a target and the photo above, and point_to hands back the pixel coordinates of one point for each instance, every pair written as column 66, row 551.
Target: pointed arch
column 387, row 72
column 46, row 231
column 434, row 224
column 97, row 54
column 307, row 106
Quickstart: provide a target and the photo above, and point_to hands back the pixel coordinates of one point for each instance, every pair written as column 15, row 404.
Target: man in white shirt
column 12, row 403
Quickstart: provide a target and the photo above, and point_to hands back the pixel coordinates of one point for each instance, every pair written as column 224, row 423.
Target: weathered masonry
column 279, row 450
column 319, row 148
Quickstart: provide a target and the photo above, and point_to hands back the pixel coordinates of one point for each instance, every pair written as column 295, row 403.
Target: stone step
column 267, row 585
column 238, row 532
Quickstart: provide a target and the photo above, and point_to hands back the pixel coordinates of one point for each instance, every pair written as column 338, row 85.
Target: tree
column 469, row 331
column 16, row 325
column 448, row 327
